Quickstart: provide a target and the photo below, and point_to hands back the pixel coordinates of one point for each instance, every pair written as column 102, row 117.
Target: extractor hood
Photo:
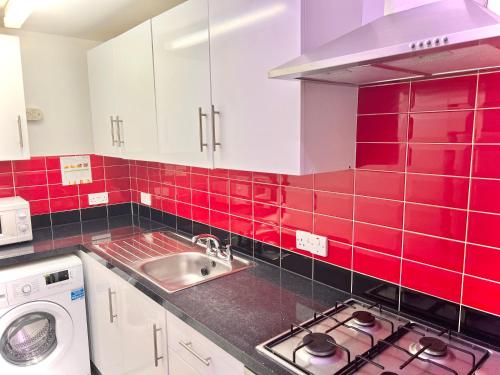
column 433, row 39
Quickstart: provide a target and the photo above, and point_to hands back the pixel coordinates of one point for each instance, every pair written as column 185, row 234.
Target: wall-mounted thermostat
column 34, row 114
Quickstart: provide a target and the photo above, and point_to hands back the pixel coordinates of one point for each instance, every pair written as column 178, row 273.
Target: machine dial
column 26, row 289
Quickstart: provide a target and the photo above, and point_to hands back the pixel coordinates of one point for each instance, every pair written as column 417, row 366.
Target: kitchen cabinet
column 122, row 95
column 211, row 69
column 14, row 143
column 127, row 329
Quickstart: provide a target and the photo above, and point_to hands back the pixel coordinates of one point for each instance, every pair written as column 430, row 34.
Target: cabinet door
column 13, row 126
column 102, row 99
column 102, row 303
column 177, row 366
column 182, row 75
column 143, row 327
column 135, row 92
column 259, row 126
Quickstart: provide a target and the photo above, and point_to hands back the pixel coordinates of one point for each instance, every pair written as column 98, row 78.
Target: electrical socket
column 311, row 242
column 98, row 198
column 146, row 199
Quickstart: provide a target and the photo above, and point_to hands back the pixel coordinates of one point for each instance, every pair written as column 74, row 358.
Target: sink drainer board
column 169, row 260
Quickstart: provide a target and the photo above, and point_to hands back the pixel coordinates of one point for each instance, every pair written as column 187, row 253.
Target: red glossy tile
column 33, row 193
column 437, row 190
column 488, row 126
column 6, row 180
column 266, row 193
column 53, row 162
column 384, row 99
column 180, row 168
column 30, row 178
column 241, row 207
column 199, row 182
column 201, row 215
column 484, row 195
column 337, row 182
column 298, row 220
column 305, row 181
column 488, row 95
column 54, row 177
column 59, row 191
column 266, row 213
column 377, row 265
column 5, row 167
column 219, row 185
column 124, row 184
column 33, row 164
column 483, row 229
column 219, row 172
column 155, row 188
column 453, row 160
column 120, row 171
column 143, row 185
column 443, row 94
column 481, row 294
column 167, row 176
column 183, row 210
column 433, row 281
column 154, row 174
column 485, row 161
column 200, row 198
column 241, row 226
column 5, row 193
column 339, row 254
column 379, row 211
column 168, row 205
column 441, row 127
column 241, row 189
column 266, row 178
column 198, row 170
column 219, row 220
column 483, row 262
column 182, row 179
column 434, row 251
column 334, row 228
column 437, row 221
column 183, row 195
column 96, row 160
column 168, row 191
column 384, row 240
column 269, row 234
column 39, row 207
column 64, row 204
column 108, row 160
column 381, row 156
column 219, row 203
column 240, row 175
column 388, row 185
column 297, row 198
column 156, row 202
column 333, row 204
column 382, row 128
column 97, row 173
column 116, row 197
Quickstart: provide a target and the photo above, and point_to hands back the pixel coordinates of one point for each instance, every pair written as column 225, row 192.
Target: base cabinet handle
column 20, row 130
column 112, row 315
column 155, row 344
column 189, row 347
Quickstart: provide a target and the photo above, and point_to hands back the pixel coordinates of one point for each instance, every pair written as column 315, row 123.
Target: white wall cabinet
column 122, row 95
column 127, row 329
column 14, row 144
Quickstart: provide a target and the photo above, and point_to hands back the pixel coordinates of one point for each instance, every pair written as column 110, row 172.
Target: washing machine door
column 34, row 333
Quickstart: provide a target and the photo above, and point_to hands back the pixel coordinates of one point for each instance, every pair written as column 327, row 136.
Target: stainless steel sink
column 180, row 271
column 169, row 260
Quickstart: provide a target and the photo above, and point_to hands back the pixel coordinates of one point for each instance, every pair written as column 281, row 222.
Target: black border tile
column 119, row 209
column 184, row 226
column 40, row 221
column 223, row 235
column 92, row 213
column 200, row 228
column 375, row 290
column 480, row 325
column 65, row 217
column 296, row 263
column 157, row 215
column 331, row 275
column 144, row 211
column 267, row 253
column 242, row 244
column 170, row 220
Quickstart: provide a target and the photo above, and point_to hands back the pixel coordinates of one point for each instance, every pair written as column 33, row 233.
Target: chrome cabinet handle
column 119, row 127
column 214, row 112
column 189, row 347
column 112, row 315
column 113, row 140
column 200, row 121
column 155, row 343
column 20, row 130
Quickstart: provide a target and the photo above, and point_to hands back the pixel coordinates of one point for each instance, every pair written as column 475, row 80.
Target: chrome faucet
column 213, row 246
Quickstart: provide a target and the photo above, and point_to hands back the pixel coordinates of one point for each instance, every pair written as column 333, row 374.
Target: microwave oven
column 15, row 221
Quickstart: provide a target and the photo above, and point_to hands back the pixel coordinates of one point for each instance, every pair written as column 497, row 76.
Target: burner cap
column 363, row 318
column 320, row 344
column 388, row 373
column 436, row 347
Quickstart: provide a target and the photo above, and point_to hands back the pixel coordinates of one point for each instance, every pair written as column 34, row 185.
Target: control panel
column 428, row 43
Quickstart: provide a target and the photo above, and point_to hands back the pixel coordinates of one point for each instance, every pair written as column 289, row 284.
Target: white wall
column 55, row 80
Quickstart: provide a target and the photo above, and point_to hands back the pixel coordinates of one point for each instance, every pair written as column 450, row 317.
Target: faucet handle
column 209, row 240
column 226, row 253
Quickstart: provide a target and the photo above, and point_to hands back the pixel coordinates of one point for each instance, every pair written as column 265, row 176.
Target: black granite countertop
column 237, row 312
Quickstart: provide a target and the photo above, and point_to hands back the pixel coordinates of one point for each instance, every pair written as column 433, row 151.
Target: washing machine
column 43, row 321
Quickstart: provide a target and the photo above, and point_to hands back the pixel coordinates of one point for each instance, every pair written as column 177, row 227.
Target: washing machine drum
column 32, row 332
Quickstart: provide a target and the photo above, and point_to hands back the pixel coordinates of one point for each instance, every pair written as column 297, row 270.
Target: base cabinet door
column 178, row 366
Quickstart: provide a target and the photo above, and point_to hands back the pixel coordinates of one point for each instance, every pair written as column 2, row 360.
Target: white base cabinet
column 127, row 330
column 14, row 143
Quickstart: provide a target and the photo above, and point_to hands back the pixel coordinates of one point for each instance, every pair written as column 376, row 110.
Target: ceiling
column 91, row 19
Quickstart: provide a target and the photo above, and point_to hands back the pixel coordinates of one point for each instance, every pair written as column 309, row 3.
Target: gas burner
column 363, row 318
column 319, row 344
column 388, row 373
column 436, row 347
